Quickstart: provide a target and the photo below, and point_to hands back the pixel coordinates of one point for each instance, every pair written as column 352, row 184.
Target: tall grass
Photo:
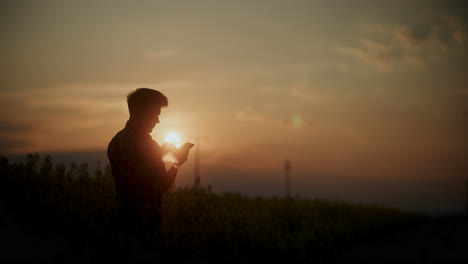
column 197, row 223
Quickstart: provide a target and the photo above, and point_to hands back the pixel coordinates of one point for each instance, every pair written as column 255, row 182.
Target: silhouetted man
column 138, row 170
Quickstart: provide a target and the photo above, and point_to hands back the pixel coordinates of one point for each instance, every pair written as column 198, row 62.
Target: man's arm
column 171, row 174
column 169, row 178
column 152, row 160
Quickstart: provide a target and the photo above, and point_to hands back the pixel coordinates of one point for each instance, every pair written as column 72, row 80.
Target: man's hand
column 168, row 147
column 182, row 153
column 181, row 156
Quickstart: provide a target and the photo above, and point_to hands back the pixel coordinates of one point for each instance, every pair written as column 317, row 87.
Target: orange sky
column 376, row 91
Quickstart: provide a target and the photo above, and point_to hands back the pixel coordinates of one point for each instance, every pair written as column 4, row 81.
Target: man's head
column 145, row 105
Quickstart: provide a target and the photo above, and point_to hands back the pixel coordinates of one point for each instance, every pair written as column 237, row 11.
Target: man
column 138, row 170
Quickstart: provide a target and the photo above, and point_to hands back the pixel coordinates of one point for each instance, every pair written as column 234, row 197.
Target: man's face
column 153, row 117
column 148, row 118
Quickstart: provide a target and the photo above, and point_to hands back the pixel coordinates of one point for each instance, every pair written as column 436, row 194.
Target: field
column 53, row 199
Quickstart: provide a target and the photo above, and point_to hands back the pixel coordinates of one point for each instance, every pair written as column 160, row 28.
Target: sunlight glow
column 173, row 138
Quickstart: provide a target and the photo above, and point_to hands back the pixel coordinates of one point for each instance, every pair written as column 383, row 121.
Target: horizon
column 226, row 180
column 369, row 101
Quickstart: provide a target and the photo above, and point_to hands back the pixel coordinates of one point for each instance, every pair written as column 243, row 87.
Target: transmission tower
column 197, row 163
column 466, row 183
column 287, row 170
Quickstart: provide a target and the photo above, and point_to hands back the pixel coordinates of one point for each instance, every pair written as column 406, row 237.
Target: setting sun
column 173, row 138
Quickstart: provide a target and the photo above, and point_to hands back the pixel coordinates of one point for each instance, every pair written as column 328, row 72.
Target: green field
column 198, row 224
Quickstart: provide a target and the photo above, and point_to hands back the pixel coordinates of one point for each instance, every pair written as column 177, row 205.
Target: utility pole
column 287, row 169
column 197, row 163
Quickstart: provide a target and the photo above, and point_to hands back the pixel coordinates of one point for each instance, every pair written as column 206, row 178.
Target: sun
column 173, row 138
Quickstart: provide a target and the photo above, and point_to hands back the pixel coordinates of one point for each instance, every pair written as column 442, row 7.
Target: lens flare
column 297, row 121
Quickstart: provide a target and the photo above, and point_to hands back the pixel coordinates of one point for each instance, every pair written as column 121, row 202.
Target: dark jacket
column 137, row 167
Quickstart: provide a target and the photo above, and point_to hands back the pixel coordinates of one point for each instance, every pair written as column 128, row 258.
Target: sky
column 367, row 99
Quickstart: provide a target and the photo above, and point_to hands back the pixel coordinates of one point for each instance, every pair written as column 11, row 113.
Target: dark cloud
column 392, row 46
column 413, row 38
column 14, row 135
column 9, row 144
column 382, row 60
column 454, row 29
column 14, row 127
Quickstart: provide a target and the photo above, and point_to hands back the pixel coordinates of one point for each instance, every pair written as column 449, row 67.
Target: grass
column 197, row 223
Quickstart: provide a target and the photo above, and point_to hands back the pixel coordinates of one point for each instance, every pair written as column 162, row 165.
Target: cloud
column 376, row 46
column 413, row 39
column 304, row 94
column 14, row 135
column 60, row 115
column 414, row 60
column 69, row 116
column 249, row 114
column 389, row 47
column 375, row 28
column 382, row 61
column 85, row 98
column 288, row 105
column 11, row 144
column 7, row 127
column 386, row 55
column 254, row 116
column 458, row 31
column 294, row 70
column 164, row 53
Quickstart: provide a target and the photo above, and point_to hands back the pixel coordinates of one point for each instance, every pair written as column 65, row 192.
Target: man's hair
column 145, row 99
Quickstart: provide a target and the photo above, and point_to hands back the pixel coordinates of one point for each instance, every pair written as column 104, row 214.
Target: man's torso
column 137, row 167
